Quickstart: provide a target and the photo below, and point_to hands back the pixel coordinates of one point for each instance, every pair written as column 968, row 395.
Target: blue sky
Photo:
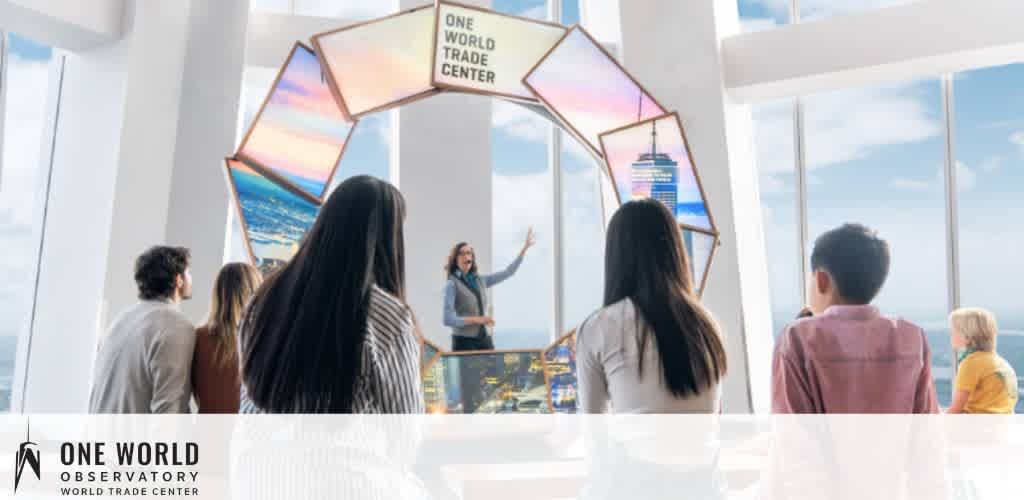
column 27, row 49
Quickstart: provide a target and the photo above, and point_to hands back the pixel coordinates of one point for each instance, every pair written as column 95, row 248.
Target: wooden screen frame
column 713, row 231
column 336, row 89
column 238, row 202
column 269, row 172
column 716, row 242
column 469, row 90
column 594, row 148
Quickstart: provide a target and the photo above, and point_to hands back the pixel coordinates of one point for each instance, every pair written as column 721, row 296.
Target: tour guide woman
column 467, row 306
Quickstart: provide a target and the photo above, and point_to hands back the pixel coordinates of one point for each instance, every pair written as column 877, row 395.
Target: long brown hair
column 645, row 260
column 302, row 341
column 453, row 260
column 235, row 284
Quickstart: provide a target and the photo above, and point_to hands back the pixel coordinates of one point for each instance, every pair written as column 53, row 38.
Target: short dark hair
column 157, row 269
column 857, row 259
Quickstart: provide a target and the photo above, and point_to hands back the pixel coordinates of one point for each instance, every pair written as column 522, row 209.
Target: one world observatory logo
column 27, row 455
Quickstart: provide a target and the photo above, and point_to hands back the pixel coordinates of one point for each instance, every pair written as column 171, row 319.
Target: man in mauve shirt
column 847, row 357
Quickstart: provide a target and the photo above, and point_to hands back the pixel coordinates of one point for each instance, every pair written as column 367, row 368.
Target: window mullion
column 952, row 208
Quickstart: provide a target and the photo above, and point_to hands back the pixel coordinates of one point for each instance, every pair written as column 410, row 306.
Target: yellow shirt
column 991, row 382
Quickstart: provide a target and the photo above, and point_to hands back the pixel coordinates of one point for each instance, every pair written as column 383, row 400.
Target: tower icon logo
column 27, row 455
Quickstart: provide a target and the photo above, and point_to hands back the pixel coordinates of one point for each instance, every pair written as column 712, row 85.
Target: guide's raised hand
column 528, row 243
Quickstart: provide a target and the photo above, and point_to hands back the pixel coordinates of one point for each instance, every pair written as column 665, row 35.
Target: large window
column 523, row 197
column 776, row 158
column 582, row 234
column 875, row 156
column 988, row 124
column 879, row 156
column 24, row 174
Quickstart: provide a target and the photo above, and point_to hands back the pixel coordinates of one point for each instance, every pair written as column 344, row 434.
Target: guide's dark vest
column 466, row 304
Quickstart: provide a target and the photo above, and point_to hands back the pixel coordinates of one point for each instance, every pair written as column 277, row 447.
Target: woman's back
column 215, row 384
column 389, row 379
column 608, row 359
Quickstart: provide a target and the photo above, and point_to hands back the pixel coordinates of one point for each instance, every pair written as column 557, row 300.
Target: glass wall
column 878, row 156
column 523, row 197
column 24, row 175
column 988, row 124
column 875, row 156
column 776, row 159
column 582, row 234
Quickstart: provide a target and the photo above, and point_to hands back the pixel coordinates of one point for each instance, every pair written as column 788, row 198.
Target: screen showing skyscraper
column 650, row 159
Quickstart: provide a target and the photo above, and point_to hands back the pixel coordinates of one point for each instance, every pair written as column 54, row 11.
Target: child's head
column 973, row 328
column 849, row 264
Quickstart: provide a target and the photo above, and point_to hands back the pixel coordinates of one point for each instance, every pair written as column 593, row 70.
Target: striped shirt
column 389, row 379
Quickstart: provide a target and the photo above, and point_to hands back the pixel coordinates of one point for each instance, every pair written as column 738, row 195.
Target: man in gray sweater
column 145, row 360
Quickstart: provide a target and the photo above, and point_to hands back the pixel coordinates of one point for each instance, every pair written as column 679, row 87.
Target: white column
column 207, row 117
column 124, row 173
column 673, row 49
column 442, row 154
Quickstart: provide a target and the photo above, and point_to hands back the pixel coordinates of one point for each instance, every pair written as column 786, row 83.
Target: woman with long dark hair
column 329, row 332
column 652, row 348
column 467, row 302
column 215, row 377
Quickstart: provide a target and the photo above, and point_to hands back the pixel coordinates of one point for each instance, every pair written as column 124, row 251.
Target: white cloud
column 518, row 121
column 1017, row 138
column 773, row 136
column 966, row 180
column 991, row 164
column 849, row 124
column 910, row 184
column 772, row 185
column 536, row 12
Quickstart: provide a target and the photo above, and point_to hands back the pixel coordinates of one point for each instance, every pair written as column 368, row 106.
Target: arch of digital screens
column 284, row 165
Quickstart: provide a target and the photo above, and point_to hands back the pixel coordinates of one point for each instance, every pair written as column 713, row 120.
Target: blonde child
column 985, row 382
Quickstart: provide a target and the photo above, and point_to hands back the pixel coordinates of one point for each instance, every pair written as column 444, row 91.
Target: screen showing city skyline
column 588, row 90
column 561, row 366
column 274, row 219
column 380, row 63
column 651, row 160
column 300, row 132
column 487, row 382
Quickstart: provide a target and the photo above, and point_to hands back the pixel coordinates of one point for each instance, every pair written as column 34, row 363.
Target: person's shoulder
column 170, row 318
column 393, row 312
column 799, row 332
column 611, row 317
column 204, row 338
